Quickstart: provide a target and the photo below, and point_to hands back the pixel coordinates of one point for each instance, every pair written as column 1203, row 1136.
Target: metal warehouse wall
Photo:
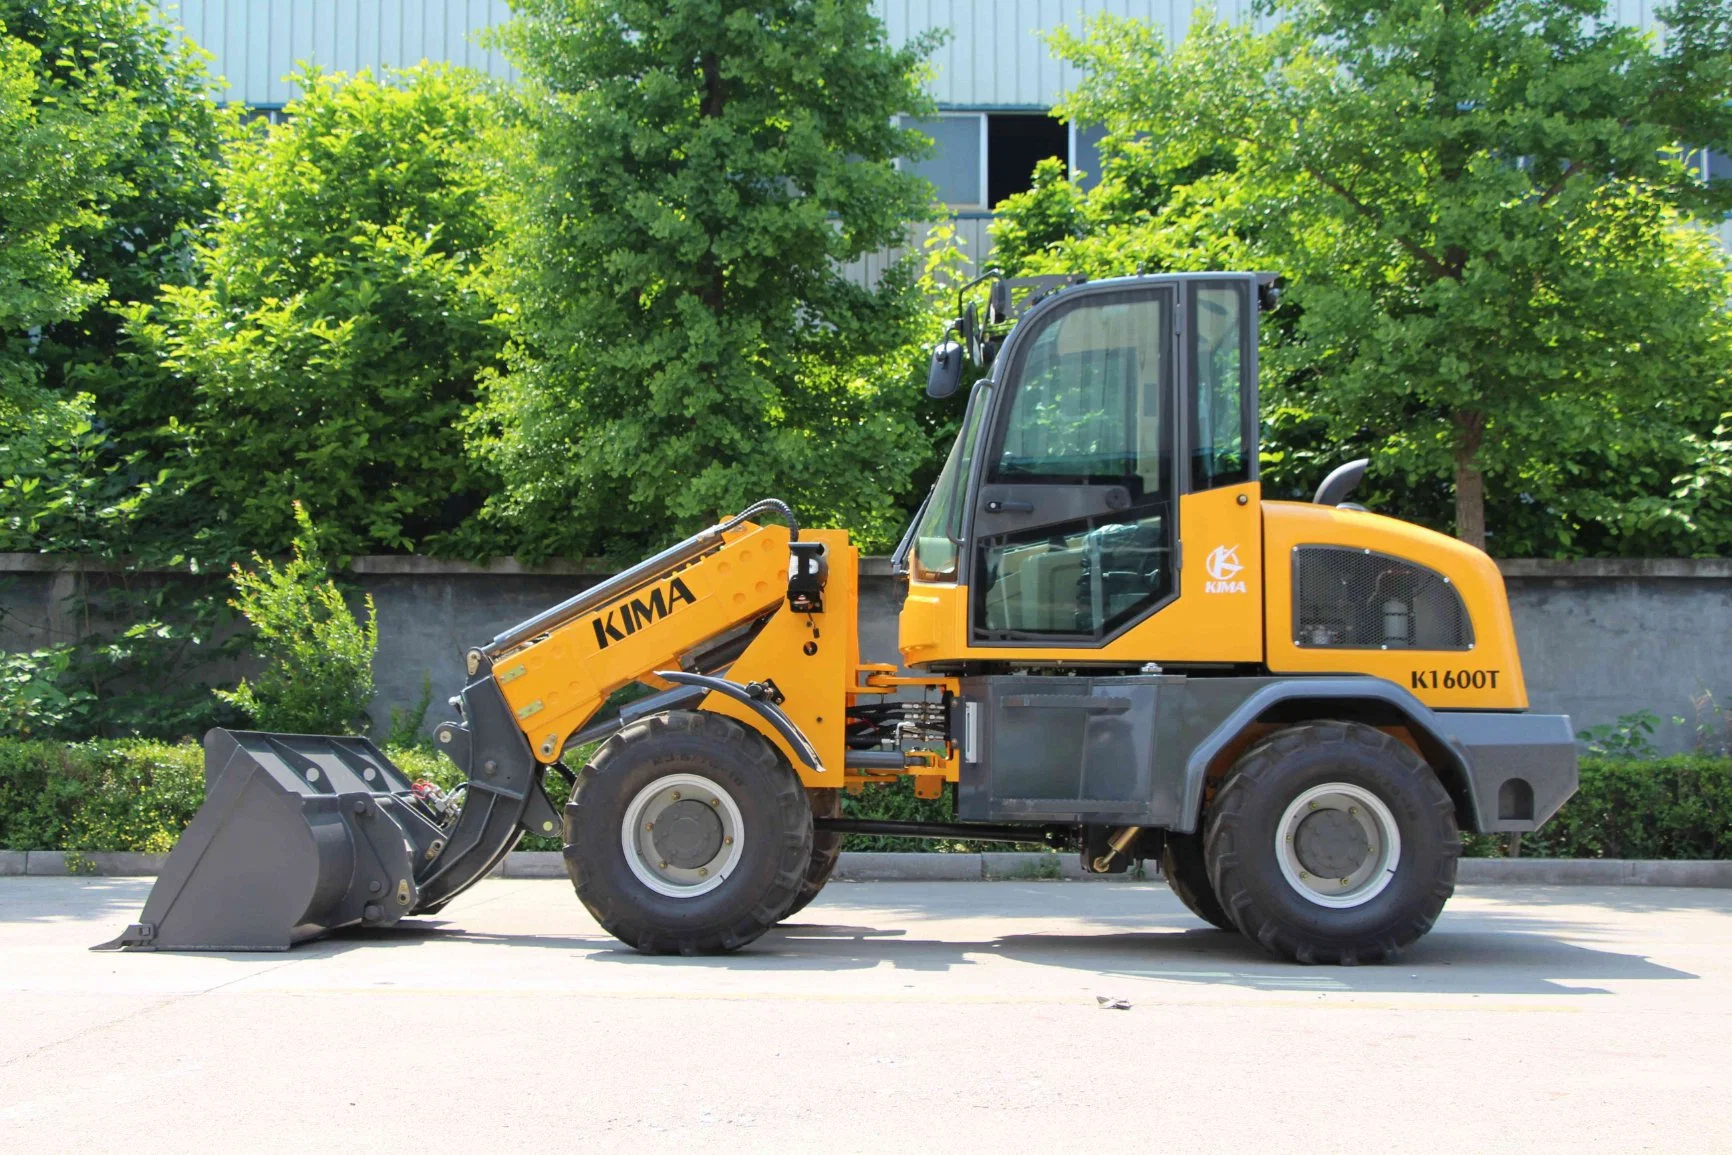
column 995, row 56
column 258, row 42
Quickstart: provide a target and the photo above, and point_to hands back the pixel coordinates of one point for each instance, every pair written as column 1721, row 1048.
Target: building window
column 1711, row 167
column 957, row 164
column 1015, row 143
column 1085, row 153
column 269, row 113
column 980, row 158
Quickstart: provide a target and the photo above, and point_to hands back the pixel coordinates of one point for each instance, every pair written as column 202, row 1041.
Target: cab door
column 1074, row 526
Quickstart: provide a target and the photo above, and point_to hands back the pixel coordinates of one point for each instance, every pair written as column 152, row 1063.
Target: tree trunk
column 1469, row 482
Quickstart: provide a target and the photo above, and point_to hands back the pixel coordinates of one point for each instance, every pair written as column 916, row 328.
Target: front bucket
column 298, row 835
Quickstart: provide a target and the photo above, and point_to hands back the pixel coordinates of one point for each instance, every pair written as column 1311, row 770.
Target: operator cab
column 1102, row 403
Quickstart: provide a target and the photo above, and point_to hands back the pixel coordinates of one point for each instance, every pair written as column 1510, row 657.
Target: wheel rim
column 1338, row 845
column 682, row 835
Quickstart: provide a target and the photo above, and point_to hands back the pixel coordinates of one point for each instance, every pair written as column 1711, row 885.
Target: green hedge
column 138, row 795
column 1658, row 808
column 126, row 795
column 134, row 795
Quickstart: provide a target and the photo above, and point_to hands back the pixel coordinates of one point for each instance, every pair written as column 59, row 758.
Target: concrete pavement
column 886, row 1017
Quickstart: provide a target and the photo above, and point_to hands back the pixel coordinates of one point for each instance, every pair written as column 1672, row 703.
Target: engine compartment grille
column 1361, row 599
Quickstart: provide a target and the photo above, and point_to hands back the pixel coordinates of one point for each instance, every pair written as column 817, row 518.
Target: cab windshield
column 938, row 531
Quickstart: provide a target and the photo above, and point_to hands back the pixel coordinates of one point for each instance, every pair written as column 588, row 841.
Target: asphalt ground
column 885, row 1017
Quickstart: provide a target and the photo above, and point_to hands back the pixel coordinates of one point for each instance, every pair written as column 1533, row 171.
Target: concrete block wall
column 1598, row 638
column 1604, row 638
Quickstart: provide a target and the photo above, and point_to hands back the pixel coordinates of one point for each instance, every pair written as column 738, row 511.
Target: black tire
column 826, row 848
column 1245, row 868
column 775, row 844
column 1182, row 863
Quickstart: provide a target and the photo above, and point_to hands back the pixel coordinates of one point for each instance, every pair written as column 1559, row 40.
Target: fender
column 754, row 696
column 1426, row 725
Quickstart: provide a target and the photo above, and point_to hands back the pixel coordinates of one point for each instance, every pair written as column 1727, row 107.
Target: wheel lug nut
column 676, row 794
column 664, row 865
column 728, row 841
column 703, row 872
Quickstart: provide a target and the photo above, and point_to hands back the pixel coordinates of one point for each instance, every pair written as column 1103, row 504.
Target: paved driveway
column 888, row 1017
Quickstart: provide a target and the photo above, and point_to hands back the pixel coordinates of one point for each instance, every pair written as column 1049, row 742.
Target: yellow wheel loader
column 1111, row 644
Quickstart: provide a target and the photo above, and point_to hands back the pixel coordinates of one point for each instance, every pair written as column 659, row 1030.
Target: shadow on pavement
column 1540, row 943
column 1467, row 961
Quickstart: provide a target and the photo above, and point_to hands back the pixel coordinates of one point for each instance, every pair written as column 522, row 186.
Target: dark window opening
column 1015, row 143
column 269, row 113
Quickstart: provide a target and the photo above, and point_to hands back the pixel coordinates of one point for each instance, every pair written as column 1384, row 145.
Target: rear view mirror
column 945, row 375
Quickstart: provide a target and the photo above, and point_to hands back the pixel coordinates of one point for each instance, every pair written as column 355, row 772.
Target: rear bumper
column 1521, row 767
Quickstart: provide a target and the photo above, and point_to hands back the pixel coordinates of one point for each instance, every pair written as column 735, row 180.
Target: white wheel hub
column 1338, row 845
column 682, row 835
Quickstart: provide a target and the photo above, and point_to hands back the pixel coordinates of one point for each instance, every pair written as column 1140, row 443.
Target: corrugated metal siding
column 995, row 55
column 257, row 43
column 971, row 236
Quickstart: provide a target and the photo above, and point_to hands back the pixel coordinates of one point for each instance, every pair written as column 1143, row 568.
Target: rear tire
column 1332, row 842
column 826, row 848
column 1188, row 876
column 734, row 843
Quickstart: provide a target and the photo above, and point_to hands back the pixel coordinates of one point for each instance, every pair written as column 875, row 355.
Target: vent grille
column 1361, row 600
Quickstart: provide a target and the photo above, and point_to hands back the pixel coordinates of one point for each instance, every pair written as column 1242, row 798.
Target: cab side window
column 1220, row 362
column 1089, row 401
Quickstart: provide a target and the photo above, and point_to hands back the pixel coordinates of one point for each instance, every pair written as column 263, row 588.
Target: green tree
column 697, row 173
column 1033, row 223
column 52, row 144
column 158, row 173
column 341, row 320
column 112, row 146
column 318, row 675
column 1487, row 217
column 58, row 129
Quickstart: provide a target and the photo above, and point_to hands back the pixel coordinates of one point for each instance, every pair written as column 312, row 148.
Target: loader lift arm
column 557, row 670
column 310, row 833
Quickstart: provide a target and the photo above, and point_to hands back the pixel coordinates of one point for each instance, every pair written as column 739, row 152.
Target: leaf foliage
column 1491, row 222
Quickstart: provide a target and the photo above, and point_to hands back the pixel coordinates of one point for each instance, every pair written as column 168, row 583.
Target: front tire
column 1332, row 842
column 688, row 833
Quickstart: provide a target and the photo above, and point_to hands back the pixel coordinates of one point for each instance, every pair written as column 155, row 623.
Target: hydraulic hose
column 768, row 505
